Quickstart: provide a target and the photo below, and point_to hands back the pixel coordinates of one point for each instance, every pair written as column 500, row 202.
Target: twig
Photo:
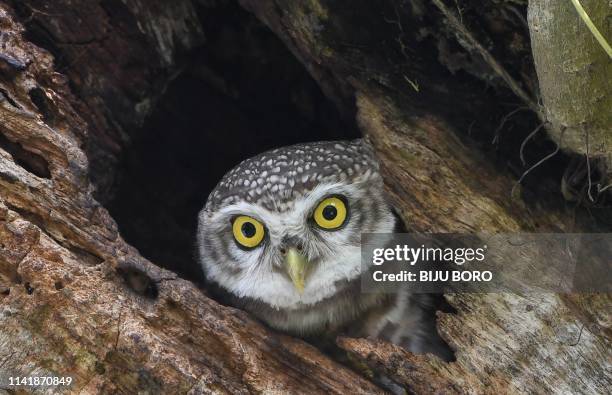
column 470, row 127
column 591, row 26
column 589, row 177
column 547, row 157
column 495, row 65
column 414, row 84
column 536, row 130
column 588, row 162
column 400, row 27
column 503, row 122
column 600, row 189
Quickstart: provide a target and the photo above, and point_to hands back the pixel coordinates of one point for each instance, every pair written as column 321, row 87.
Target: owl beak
column 296, row 265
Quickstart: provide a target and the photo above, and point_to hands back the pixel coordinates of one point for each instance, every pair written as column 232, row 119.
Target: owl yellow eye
column 248, row 231
column 331, row 213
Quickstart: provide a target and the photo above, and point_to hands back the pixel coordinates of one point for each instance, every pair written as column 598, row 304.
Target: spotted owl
column 280, row 237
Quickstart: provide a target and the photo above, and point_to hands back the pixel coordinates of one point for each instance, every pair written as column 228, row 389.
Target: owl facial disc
column 281, row 232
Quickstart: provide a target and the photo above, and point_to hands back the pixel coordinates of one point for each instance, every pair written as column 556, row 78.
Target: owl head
column 284, row 227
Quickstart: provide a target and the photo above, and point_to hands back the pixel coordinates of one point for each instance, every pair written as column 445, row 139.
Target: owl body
column 281, row 232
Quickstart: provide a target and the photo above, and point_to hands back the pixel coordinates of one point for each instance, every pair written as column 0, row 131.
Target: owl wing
column 409, row 320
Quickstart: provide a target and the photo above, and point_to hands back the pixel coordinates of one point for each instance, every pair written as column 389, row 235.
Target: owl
column 280, row 237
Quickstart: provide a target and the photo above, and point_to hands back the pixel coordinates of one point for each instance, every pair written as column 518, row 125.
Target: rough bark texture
column 575, row 73
column 64, row 308
column 118, row 58
column 501, row 341
column 507, row 344
column 71, row 297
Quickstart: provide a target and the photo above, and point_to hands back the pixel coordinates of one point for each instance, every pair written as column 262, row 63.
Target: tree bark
column 574, row 72
column 68, row 304
column 77, row 300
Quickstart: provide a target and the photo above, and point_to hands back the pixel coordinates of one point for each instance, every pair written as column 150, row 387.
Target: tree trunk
column 574, row 73
column 77, row 300
column 575, row 76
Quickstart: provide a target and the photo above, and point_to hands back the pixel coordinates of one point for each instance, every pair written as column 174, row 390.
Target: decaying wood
column 119, row 58
column 64, row 308
column 62, row 316
column 502, row 341
column 506, row 344
column 68, row 305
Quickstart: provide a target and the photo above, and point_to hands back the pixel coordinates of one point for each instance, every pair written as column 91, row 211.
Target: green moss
column 39, row 318
column 574, row 72
column 318, row 9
